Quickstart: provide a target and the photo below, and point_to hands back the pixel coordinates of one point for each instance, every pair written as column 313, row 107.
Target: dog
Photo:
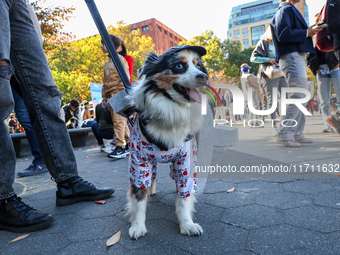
column 167, row 99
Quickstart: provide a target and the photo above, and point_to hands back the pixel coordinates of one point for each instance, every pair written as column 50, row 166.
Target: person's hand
column 313, row 31
column 272, row 62
column 104, row 104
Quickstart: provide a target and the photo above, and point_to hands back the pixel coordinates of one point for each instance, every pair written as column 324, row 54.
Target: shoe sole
column 118, row 156
column 31, row 174
column 69, row 201
column 29, row 228
column 287, row 145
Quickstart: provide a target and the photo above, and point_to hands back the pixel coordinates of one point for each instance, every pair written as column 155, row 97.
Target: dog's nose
column 202, row 76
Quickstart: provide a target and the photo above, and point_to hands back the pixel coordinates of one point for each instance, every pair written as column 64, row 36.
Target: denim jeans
column 20, row 48
column 293, row 66
column 268, row 85
column 24, row 120
column 324, row 91
column 100, row 135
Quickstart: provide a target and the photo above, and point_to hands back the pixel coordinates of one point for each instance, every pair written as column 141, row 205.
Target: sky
column 188, row 18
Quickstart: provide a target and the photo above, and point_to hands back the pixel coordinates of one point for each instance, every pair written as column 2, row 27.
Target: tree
column 76, row 64
column 223, row 58
column 52, row 21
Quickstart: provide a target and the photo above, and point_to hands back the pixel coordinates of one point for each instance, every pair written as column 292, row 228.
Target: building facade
column 248, row 22
column 162, row 36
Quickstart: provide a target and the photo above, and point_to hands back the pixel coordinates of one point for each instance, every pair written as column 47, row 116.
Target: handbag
column 324, row 39
column 273, row 72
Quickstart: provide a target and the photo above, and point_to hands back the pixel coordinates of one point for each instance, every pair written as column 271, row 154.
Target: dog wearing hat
column 167, row 98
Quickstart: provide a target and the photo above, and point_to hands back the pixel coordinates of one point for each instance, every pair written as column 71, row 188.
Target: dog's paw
column 191, row 229
column 137, row 231
column 152, row 192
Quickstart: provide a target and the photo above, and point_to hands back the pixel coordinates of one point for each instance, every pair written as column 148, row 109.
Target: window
column 175, row 38
column 246, row 42
column 237, row 34
column 245, row 32
column 170, row 35
column 145, row 28
column 159, row 29
column 165, row 32
column 256, row 33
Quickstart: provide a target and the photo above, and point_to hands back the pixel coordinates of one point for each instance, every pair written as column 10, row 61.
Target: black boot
column 76, row 189
column 16, row 216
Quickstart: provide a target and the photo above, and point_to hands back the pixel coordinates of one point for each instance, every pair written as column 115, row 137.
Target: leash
column 119, row 102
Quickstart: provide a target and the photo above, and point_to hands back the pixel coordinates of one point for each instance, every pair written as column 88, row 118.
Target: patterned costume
column 144, row 157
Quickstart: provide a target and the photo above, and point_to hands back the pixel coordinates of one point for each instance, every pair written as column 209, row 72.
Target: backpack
column 324, row 39
column 333, row 16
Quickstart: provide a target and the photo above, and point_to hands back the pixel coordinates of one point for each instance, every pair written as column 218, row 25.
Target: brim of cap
column 198, row 49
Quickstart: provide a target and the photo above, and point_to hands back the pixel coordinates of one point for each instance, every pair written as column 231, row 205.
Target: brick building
column 162, row 36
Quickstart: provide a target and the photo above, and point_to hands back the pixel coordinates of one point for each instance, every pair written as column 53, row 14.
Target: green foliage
column 76, row 64
column 52, row 21
column 224, row 57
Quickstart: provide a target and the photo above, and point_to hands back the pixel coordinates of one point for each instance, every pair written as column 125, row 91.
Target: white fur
column 137, row 211
column 184, row 210
column 152, row 189
column 170, row 121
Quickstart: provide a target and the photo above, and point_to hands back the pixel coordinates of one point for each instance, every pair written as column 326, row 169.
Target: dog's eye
column 199, row 67
column 179, row 66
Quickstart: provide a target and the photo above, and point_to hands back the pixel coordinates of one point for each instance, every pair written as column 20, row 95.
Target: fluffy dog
column 167, row 99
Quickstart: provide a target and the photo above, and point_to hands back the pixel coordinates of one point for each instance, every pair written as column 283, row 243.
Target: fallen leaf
column 20, row 238
column 102, row 202
column 322, row 148
column 114, row 239
column 231, row 190
column 290, row 151
column 338, row 174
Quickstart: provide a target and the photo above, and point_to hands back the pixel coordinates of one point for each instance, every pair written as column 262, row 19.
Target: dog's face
column 178, row 76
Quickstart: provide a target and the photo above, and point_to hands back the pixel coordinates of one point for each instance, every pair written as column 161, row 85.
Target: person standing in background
column 292, row 39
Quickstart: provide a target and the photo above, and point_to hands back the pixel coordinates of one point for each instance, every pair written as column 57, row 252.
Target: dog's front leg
column 137, row 208
column 152, row 189
column 184, row 210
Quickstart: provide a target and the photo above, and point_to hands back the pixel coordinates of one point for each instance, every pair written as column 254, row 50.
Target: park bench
column 78, row 138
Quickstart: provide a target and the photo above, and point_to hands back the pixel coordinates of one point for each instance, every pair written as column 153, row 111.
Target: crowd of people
column 282, row 54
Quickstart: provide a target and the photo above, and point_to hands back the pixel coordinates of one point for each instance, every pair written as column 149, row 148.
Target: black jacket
column 322, row 58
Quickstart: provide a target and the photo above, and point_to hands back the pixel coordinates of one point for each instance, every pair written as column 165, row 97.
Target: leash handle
column 109, row 44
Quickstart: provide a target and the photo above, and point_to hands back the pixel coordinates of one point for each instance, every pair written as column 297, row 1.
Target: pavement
column 295, row 209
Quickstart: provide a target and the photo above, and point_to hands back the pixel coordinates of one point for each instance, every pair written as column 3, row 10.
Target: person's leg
column 119, row 123
column 100, row 135
column 324, row 94
column 95, row 131
column 335, row 79
column 15, row 215
column 269, row 84
column 24, row 119
column 42, row 99
column 7, row 153
column 294, row 69
column 120, row 129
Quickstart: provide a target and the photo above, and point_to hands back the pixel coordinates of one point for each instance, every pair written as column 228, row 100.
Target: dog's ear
column 150, row 65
